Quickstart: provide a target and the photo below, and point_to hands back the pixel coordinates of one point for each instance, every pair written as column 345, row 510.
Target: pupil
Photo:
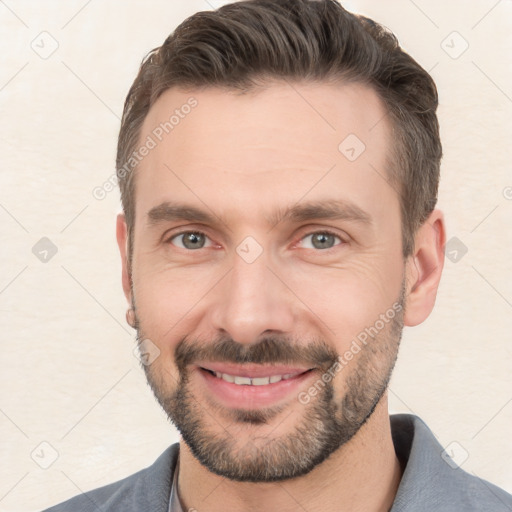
column 192, row 239
column 323, row 239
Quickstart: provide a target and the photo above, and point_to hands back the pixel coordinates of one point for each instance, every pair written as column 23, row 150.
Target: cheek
column 343, row 301
column 167, row 300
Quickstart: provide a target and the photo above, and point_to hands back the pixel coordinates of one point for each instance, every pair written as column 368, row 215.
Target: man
column 279, row 163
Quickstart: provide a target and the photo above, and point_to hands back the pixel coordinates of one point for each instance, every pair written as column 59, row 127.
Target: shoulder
column 432, row 480
column 149, row 487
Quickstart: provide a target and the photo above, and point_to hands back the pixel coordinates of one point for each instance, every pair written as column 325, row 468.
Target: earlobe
column 424, row 268
column 122, row 242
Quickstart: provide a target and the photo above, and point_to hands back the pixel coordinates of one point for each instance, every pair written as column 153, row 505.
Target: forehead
column 318, row 114
column 276, row 142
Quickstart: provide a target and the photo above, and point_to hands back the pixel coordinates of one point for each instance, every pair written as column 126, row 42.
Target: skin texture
column 244, row 159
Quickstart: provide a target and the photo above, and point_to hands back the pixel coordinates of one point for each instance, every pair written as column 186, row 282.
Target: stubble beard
column 322, row 426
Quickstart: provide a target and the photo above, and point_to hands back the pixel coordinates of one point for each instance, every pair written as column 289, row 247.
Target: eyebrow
column 328, row 209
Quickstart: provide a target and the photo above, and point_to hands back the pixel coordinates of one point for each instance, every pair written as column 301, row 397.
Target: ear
column 122, row 242
column 423, row 269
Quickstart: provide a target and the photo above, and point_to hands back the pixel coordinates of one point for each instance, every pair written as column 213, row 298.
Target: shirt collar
column 174, row 501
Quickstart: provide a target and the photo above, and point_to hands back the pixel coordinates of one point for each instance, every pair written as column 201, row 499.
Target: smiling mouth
column 251, row 385
column 254, row 381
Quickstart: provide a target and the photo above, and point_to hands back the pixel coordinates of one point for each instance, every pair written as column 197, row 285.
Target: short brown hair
column 243, row 44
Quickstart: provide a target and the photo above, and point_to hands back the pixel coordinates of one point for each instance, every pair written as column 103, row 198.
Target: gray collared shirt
column 431, row 481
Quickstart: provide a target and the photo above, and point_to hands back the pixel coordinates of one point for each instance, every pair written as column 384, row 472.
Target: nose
column 252, row 301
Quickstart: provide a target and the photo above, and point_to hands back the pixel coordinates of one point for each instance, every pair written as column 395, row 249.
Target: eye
column 191, row 240
column 320, row 240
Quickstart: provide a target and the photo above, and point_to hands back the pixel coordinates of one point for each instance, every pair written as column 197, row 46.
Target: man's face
column 266, row 283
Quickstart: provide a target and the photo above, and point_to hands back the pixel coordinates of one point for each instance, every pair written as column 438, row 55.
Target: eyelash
column 323, row 232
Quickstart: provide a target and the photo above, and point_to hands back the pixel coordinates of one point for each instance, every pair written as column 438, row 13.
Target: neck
column 362, row 475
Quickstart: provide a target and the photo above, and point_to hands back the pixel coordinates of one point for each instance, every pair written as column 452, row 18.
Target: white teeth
column 242, row 380
column 255, row 381
column 260, row 381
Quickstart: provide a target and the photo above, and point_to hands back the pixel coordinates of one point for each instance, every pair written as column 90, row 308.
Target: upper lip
column 252, row 370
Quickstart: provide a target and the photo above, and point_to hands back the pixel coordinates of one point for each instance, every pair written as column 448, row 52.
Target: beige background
column 68, row 375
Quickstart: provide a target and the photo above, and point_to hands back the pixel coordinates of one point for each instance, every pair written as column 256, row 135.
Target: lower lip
column 249, row 397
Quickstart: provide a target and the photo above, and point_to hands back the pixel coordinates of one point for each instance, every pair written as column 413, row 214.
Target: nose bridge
column 252, row 299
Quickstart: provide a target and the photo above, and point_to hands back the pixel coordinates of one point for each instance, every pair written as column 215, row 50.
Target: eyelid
column 183, row 229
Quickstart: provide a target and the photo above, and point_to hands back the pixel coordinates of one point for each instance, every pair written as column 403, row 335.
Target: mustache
column 269, row 350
